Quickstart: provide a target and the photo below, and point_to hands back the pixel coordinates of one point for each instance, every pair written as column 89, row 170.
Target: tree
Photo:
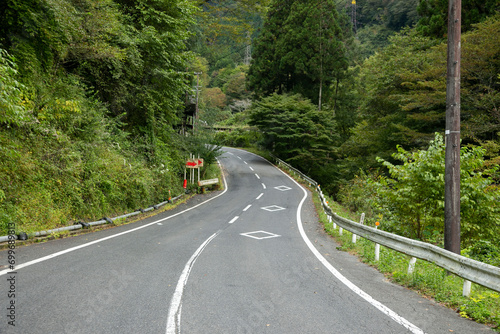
column 387, row 114
column 434, row 15
column 377, row 20
column 265, row 75
column 294, row 129
column 313, row 47
column 480, row 82
column 301, row 50
column 224, row 29
column 412, row 198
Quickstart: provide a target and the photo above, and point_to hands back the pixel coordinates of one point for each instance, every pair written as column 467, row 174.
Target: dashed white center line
column 234, row 219
column 251, row 169
column 263, row 186
column 261, row 194
column 239, row 157
column 248, row 207
column 245, row 162
column 257, row 176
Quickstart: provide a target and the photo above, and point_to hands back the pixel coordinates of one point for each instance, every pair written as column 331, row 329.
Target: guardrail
column 83, row 225
column 469, row 269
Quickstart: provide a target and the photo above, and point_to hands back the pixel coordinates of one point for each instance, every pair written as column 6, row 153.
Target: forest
column 97, row 96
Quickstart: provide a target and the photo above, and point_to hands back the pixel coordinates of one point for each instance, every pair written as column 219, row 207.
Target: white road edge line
column 174, row 313
column 51, row 256
column 261, row 194
column 234, row 219
column 248, row 207
column 384, row 309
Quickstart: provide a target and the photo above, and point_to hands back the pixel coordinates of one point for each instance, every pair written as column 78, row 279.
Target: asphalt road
column 249, row 259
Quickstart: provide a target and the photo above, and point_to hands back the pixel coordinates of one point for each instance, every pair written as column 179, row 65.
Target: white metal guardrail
column 469, row 269
column 82, row 225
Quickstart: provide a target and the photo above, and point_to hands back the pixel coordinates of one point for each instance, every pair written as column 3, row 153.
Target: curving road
column 249, row 259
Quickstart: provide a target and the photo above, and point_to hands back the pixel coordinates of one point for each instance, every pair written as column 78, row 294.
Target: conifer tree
column 266, row 75
column 301, row 50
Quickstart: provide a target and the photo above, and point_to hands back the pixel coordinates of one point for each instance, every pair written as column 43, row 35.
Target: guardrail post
column 361, row 221
column 377, row 252
column 411, row 265
column 333, row 223
column 467, row 288
column 377, row 246
column 340, row 230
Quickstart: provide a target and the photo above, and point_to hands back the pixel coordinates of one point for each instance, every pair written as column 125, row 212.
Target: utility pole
column 452, row 133
column 195, row 117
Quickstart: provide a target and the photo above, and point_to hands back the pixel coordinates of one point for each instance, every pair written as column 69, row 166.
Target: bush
column 484, row 251
column 411, row 199
column 238, row 138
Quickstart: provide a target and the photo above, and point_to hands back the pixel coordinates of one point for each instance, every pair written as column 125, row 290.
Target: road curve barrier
column 83, row 225
column 469, row 269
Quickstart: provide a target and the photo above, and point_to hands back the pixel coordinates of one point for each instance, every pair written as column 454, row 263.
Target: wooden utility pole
column 195, row 116
column 452, row 133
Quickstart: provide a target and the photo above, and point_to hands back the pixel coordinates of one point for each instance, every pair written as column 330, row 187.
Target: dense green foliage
column 301, row 50
column 295, row 130
column 434, row 15
column 404, row 102
column 410, row 201
column 11, row 108
column 225, row 29
column 377, row 20
column 92, row 97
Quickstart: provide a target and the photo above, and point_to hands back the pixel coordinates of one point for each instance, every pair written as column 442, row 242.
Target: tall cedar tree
column 313, row 47
column 265, row 75
column 301, row 50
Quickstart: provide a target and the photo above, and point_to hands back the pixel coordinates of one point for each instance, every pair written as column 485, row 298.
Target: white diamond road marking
column 259, row 235
column 282, row 188
column 273, row 208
